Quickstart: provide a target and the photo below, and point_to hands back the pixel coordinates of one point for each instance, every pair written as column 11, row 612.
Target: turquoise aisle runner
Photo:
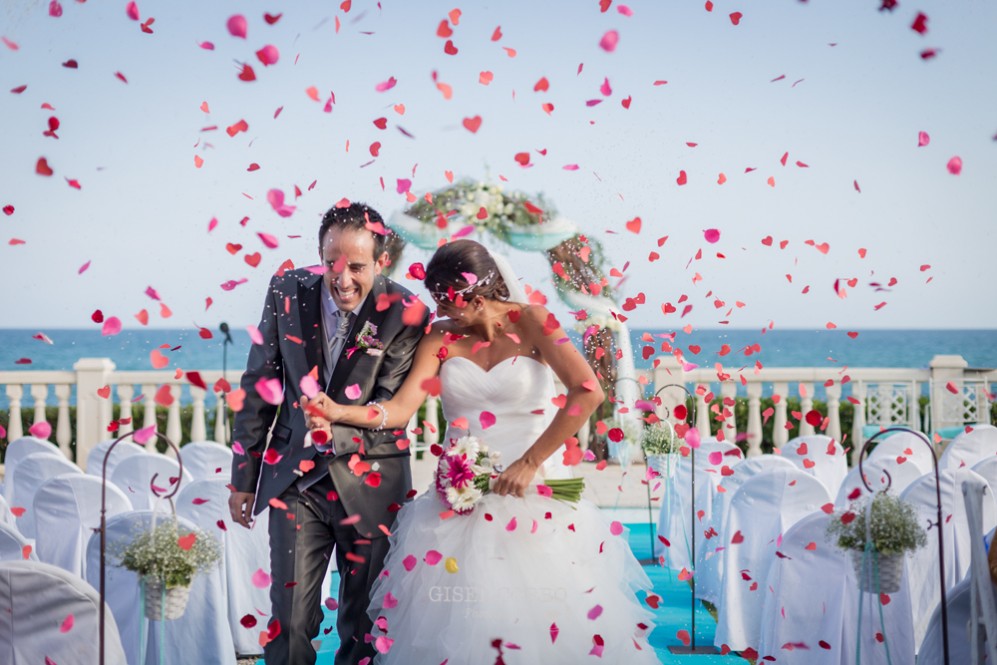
column 671, row 616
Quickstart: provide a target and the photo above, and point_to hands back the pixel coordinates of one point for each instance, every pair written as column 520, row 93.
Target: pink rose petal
column 383, row 644
column 923, row 139
column 594, row 613
column 609, row 41
column 237, row 26
column 270, row 241
column 487, row 419
column 268, row 55
column 353, row 391
column 309, row 386
column 112, row 326
column 255, row 336
column 270, row 391
column 554, row 631
column 386, row 85
column 55, row 9
column 143, row 435
column 955, row 165
column 40, row 430
column 711, row 235
column 716, row 457
column 275, row 198
column 692, row 437
column 390, row 601
column 261, row 580
column 238, row 449
column 409, row 562
column 511, row 526
column 433, row 557
column 132, row 10
column 616, row 528
column 67, row 624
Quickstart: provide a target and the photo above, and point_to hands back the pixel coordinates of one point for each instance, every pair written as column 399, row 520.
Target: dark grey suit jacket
column 293, row 344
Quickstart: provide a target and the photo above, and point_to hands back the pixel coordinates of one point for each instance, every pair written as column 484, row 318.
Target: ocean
column 186, row 349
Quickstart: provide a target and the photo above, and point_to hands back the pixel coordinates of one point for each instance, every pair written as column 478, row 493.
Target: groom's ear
column 381, row 263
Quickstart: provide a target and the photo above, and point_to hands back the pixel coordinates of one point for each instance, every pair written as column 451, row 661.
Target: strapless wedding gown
column 532, row 579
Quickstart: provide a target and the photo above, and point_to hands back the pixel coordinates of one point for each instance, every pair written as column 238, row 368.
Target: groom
column 347, row 330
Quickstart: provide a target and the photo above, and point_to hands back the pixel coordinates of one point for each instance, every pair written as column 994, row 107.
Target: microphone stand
column 223, row 327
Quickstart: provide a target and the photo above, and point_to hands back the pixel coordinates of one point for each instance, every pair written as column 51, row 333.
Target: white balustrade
column 878, row 396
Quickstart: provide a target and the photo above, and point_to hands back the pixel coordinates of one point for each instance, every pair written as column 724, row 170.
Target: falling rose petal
column 711, row 235
column 269, row 240
column 270, row 391
column 609, row 41
column 268, row 55
column 511, row 526
column 595, row 613
column 735, row 17
column 67, row 624
column 472, row 124
column 353, row 391
column 923, row 139
column 55, row 9
column 309, row 386
column 384, row 86
column 237, row 26
column 40, row 430
column 616, row 528
column 554, row 631
column 143, row 435
column 131, row 9
column 255, row 336
column 275, row 198
column 487, row 419
column 692, row 437
column 272, row 457
column 248, row 621
column 261, row 580
column 207, row 46
column 409, row 563
column 112, row 326
column 955, row 165
column 433, row 557
column 247, row 74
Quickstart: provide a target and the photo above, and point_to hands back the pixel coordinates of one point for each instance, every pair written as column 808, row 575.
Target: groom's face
column 348, row 255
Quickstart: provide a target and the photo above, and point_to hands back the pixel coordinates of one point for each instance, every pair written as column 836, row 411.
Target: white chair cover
column 13, row 544
column 205, row 503
column 922, row 566
column 808, row 621
column 904, row 447
column 201, row 635
column 95, row 460
column 36, row 600
column 820, row 456
column 900, row 478
column 6, row 517
column 709, row 568
column 987, row 467
column 207, row 459
column 134, row 474
column 17, row 450
column 30, row 473
column 67, row 513
column 675, row 518
column 760, row 512
column 969, row 448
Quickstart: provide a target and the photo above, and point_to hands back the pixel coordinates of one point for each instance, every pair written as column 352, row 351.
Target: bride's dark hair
column 452, row 261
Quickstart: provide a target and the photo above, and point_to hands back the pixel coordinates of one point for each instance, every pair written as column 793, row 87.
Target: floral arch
column 533, row 225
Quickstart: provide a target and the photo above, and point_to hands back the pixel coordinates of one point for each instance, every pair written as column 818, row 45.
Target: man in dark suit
column 344, row 328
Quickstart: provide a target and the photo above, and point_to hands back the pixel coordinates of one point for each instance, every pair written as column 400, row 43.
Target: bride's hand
column 516, row 478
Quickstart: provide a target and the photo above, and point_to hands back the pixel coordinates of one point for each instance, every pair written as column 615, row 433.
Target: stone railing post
column 834, row 412
column 947, row 409
column 754, row 431
column 93, row 413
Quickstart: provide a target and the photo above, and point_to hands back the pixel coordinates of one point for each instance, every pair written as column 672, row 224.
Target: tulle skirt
column 533, row 580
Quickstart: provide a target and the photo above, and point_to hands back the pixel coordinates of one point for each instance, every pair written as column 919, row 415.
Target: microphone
column 225, row 331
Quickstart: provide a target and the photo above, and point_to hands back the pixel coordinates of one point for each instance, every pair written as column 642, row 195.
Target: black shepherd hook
column 103, row 513
column 938, row 498
column 692, row 648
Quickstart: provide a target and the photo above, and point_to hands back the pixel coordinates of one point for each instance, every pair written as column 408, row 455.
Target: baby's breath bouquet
column 169, row 553
column 878, row 531
column 658, row 439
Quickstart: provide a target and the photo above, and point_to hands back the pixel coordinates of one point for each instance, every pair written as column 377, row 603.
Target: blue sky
column 854, row 96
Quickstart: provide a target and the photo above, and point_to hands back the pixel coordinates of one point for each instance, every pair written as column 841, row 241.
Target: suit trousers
column 302, row 538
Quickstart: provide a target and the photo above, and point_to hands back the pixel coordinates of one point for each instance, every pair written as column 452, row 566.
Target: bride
column 523, row 578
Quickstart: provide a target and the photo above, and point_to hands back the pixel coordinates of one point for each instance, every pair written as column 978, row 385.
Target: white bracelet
column 384, row 415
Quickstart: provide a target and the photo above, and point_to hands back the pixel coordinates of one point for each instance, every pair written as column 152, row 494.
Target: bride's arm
column 583, row 398
column 393, row 413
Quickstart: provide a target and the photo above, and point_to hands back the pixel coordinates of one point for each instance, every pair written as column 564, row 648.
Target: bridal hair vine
column 451, row 293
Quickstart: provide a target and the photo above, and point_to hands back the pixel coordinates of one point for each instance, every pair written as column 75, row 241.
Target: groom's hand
column 240, row 505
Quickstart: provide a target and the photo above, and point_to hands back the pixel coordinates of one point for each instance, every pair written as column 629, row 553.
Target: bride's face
column 459, row 312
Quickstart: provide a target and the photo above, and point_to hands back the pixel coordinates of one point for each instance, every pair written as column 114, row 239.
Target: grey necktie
column 338, row 341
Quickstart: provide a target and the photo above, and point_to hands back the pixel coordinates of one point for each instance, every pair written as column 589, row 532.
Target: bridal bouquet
column 466, row 469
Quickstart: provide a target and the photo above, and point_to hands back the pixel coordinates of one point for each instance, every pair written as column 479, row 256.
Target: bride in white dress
column 524, row 578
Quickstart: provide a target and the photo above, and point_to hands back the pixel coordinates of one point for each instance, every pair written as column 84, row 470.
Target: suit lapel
column 367, row 313
column 312, row 330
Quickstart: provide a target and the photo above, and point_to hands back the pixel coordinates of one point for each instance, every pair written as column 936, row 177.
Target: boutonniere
column 367, row 340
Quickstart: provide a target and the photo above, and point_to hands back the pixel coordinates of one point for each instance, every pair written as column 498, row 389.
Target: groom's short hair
column 357, row 215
